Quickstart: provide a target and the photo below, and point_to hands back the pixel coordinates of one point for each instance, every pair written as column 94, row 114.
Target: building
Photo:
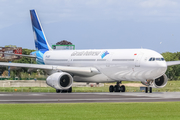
column 6, row 53
column 63, row 45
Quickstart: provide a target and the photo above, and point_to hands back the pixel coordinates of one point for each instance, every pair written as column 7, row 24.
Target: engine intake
column 64, row 81
column 156, row 83
column 160, row 82
column 60, row 80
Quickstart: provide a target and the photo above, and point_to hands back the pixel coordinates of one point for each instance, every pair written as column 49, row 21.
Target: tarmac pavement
column 88, row 97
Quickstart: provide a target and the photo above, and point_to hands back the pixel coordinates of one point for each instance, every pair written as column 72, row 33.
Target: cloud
column 49, row 11
column 158, row 3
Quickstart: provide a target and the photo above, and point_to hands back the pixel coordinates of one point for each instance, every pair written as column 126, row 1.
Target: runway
column 88, row 97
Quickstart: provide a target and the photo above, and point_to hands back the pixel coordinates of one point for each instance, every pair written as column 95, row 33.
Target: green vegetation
column 91, row 111
column 38, row 75
column 173, row 72
column 27, row 89
column 23, row 73
column 10, row 46
column 26, row 59
column 172, row 86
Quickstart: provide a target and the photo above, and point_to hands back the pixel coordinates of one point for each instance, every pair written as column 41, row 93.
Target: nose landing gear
column 117, row 88
column 148, row 89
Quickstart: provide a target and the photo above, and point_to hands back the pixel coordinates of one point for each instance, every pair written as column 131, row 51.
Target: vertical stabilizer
column 39, row 36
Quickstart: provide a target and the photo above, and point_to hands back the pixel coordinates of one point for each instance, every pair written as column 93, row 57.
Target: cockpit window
column 152, row 59
column 156, row 59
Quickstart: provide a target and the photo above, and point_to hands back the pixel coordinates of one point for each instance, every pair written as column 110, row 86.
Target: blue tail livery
column 41, row 43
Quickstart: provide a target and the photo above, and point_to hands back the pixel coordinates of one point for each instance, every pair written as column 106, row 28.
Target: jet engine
column 60, row 80
column 156, row 83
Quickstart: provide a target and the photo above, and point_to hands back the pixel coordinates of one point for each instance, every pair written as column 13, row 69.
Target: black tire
column 146, row 90
column 116, row 88
column 69, row 90
column 150, row 91
column 123, row 88
column 63, row 91
column 58, row 91
column 111, row 88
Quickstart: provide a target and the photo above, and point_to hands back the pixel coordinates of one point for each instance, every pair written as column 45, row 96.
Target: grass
column 91, row 111
column 172, row 86
column 27, row 89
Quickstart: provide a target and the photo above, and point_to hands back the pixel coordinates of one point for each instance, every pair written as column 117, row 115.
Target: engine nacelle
column 60, row 80
column 160, row 82
column 157, row 83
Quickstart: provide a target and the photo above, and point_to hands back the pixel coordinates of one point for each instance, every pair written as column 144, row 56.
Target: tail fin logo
column 39, row 36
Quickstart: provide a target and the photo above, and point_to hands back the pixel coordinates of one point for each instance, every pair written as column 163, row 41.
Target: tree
column 23, row 60
column 26, row 59
column 173, row 72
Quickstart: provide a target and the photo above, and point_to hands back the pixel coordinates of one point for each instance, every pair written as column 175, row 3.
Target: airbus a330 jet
column 98, row 66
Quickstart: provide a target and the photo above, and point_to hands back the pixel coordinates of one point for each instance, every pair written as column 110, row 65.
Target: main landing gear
column 64, row 91
column 148, row 89
column 117, row 88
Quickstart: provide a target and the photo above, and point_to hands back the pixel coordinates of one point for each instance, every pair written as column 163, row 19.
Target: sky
column 94, row 24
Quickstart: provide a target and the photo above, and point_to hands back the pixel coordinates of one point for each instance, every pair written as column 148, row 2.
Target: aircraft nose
column 162, row 67
column 162, row 64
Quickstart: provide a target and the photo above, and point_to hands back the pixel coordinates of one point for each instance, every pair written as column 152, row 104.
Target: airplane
column 96, row 65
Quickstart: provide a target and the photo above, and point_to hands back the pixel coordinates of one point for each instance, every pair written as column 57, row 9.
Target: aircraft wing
column 31, row 56
column 171, row 63
column 80, row 71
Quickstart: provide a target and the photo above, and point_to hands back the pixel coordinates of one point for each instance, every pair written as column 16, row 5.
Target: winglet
column 39, row 36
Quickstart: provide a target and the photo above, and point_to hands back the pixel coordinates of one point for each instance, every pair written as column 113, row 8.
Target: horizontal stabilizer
column 30, row 56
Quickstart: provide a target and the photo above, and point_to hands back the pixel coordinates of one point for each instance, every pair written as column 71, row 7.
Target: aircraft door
column 138, row 59
column 109, row 59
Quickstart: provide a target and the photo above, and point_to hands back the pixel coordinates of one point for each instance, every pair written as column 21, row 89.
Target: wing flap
column 80, row 71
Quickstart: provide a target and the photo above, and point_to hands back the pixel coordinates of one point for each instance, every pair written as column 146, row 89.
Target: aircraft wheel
column 150, row 90
column 69, row 90
column 58, row 91
column 111, row 88
column 123, row 88
column 63, row 91
column 146, row 90
column 116, row 88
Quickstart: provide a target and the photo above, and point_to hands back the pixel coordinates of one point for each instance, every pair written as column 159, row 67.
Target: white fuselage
column 114, row 64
